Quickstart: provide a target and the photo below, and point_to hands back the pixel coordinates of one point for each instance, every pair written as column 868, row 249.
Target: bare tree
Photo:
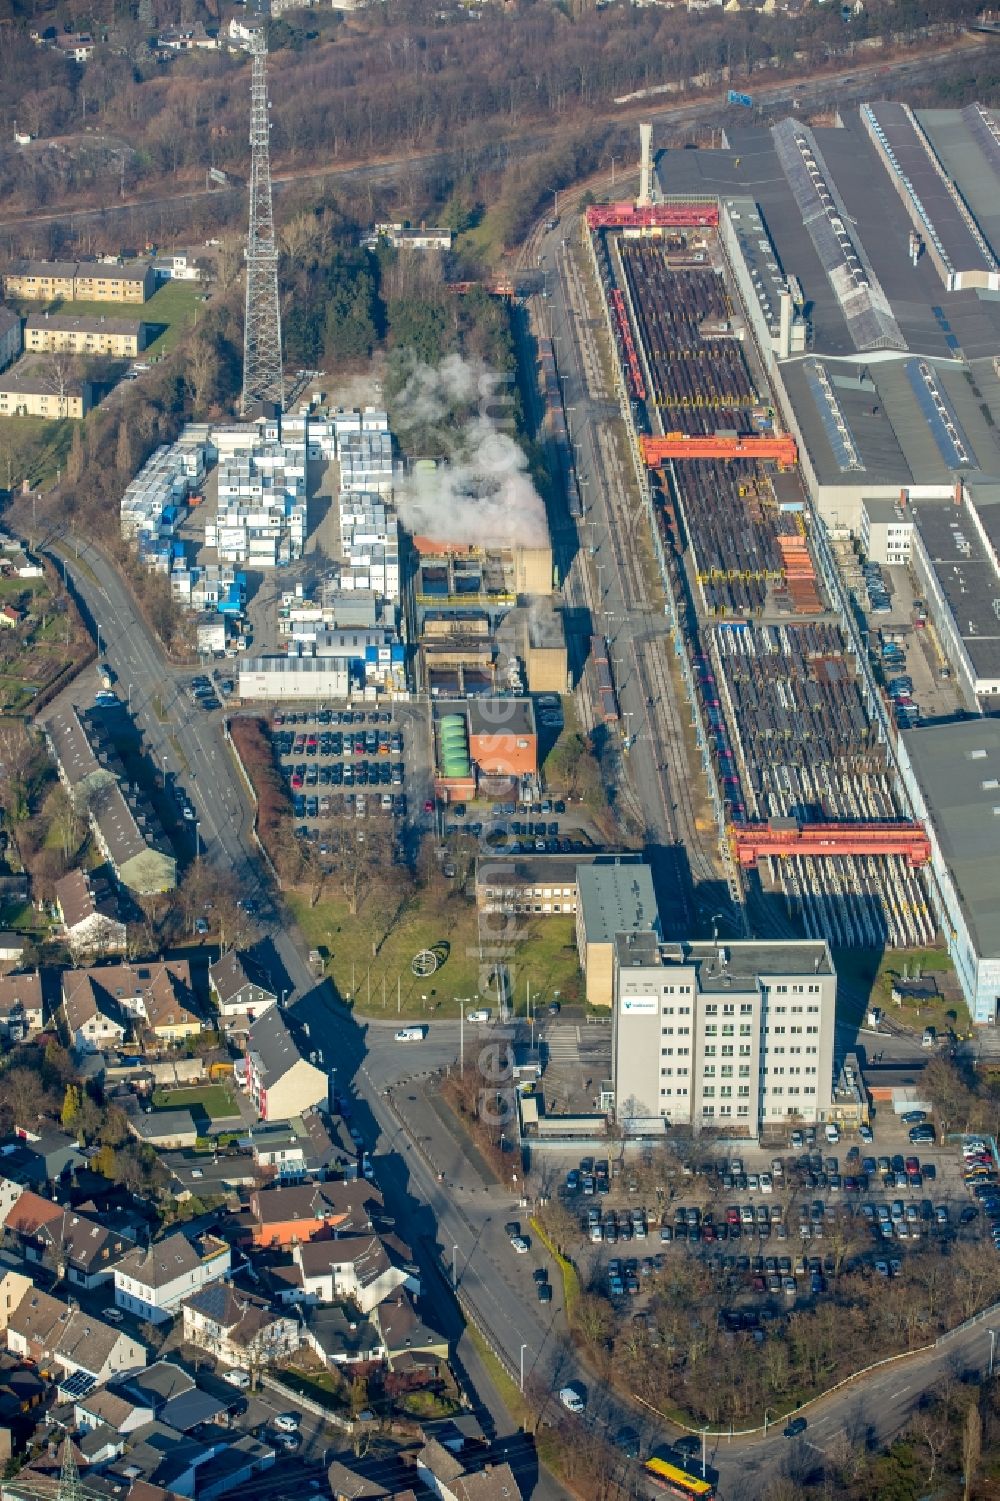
column 972, row 1446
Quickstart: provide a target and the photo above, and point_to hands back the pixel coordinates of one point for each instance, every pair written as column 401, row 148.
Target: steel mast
column 262, row 373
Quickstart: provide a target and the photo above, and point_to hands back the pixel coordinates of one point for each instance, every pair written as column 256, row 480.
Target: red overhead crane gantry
column 784, row 837
column 686, row 215
column 657, row 451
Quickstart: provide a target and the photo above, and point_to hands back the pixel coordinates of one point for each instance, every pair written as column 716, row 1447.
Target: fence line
column 316, row 1408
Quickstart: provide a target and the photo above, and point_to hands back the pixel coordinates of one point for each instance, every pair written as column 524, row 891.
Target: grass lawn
column 36, row 448
column 542, row 953
column 175, row 305
column 21, row 917
column 214, row 1099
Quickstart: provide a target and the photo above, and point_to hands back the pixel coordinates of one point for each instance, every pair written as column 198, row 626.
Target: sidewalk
column 440, row 1140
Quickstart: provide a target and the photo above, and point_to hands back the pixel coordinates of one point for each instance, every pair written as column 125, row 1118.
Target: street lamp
column 523, row 1348
column 197, row 839
column 454, row 1271
column 993, row 1339
column 555, row 194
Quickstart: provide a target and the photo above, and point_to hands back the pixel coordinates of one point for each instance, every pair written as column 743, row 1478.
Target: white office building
column 737, row 1035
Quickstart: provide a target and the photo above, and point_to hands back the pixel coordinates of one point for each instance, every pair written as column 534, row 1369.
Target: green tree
column 420, row 325
column 70, row 1107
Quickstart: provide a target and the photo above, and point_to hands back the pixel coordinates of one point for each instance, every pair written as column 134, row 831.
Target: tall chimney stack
column 646, row 165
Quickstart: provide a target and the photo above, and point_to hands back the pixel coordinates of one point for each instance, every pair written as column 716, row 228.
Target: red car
column 428, row 806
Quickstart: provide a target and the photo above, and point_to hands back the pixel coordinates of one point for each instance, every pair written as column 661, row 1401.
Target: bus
column 677, row 1480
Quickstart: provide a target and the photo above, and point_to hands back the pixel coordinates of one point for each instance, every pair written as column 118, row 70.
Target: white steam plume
column 482, row 493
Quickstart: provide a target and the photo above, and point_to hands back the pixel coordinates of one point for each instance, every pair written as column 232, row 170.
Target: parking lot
column 789, row 1229
column 361, row 764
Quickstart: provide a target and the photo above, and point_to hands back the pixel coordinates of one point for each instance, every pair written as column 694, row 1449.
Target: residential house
column 112, row 1409
column 13, row 947
column 339, row 1334
column 15, row 1281
column 10, row 617
column 95, row 1018
column 130, row 838
column 167, row 1001
column 281, row 1150
column 365, row 1268
column 155, row 998
column 412, row 1345
column 10, row 337
column 88, row 911
column 239, row 988
column 177, row 265
column 347, row 1484
column 237, row 1328
column 123, row 822
column 60, row 1336
column 446, row 1477
column 151, row 1283
column 69, row 333
column 187, row 38
column 103, row 281
column 278, row 1079
column 288, row 1214
column 21, row 1008
column 159, row 1385
column 78, row 45
column 48, row 281
column 30, row 393
column 77, row 1248
column 11, row 1190
column 40, row 1154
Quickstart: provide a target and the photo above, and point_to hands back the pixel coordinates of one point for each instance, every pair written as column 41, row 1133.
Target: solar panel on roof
column 939, row 414
column 77, row 1385
column 835, row 424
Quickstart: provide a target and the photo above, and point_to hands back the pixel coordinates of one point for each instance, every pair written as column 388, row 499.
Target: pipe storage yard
column 793, row 746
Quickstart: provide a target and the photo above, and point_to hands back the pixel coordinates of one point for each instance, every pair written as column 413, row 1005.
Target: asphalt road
column 434, row 1217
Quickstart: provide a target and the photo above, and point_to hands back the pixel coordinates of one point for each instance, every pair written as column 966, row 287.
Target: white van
column 832, row 1133
column 410, row 1034
column 929, row 1038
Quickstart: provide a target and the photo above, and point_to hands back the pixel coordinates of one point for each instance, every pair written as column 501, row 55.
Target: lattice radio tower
column 69, row 1486
column 262, row 377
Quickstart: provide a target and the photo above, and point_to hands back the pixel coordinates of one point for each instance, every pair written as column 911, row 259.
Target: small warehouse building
column 503, row 740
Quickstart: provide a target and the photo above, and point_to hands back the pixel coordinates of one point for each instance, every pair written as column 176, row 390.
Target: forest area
column 378, row 83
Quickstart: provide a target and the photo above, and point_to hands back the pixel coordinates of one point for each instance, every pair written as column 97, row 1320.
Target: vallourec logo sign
column 639, row 1005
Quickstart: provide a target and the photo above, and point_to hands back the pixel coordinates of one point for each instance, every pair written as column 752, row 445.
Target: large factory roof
column 964, row 145
column 932, row 196
column 932, row 321
column 965, row 571
column 958, row 769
